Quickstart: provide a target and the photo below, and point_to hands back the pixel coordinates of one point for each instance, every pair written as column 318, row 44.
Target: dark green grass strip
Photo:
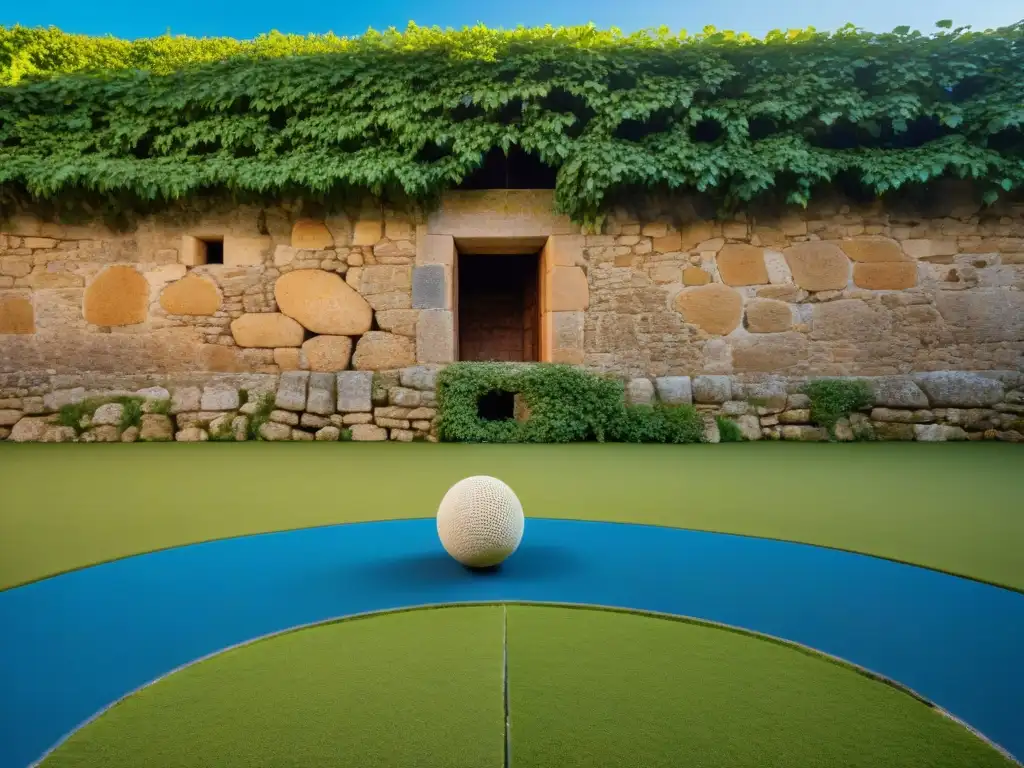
column 597, row 688
column 953, row 507
column 416, row 688
column 585, row 687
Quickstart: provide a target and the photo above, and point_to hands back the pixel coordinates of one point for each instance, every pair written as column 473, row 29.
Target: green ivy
column 99, row 123
column 834, row 399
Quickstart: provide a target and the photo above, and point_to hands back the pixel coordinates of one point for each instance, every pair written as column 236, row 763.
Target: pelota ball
column 480, row 521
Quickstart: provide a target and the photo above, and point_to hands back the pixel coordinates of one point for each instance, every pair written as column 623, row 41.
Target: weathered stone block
column 9, row 417
column 711, row 389
column 804, row 433
column 818, row 266
column 192, row 435
column 795, row 416
column 769, row 353
column 768, row 394
column 156, row 428
column 267, row 329
column 406, row 398
column 367, row 232
column 274, row 432
column 674, row 390
column 327, row 353
column 959, row 389
column 422, row 377
column 929, row 250
column 392, row 423
column 937, row 433
column 291, row 390
column 321, row 398
column 312, row 421
column 399, row 321
column 885, row 276
column 290, row 359
column 368, row 433
column 57, row 399
column 567, row 332
column 354, row 391
column 328, row 434
column 284, row 417
column 740, row 264
column 301, row 436
column 430, row 287
column 768, row 316
column 16, row 315
column 192, row 295
column 57, row 434
column 695, row 276
column 983, row 315
column 185, row 399
column 735, row 407
column 435, row 338
column 118, row 296
column 567, row 290
column 379, row 350
column 322, row 302
column 714, row 308
column 108, row 414
column 220, row 399
column 897, row 392
column 871, row 250
column 893, row 431
column 640, row 392
column 356, row 418
column 29, row 430
column 750, row 427
column 312, row 235
column 435, row 249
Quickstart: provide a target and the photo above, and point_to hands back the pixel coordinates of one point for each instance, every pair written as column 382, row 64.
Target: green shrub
column 566, row 404
column 728, row 430
column 131, row 416
column 71, row 415
column 259, row 417
column 832, row 399
column 345, row 436
column 658, row 423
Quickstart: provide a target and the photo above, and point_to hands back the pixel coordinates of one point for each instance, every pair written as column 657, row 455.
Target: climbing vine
column 406, row 115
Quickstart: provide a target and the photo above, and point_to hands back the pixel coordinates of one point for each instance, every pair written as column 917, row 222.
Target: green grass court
column 586, row 688
column 952, row 507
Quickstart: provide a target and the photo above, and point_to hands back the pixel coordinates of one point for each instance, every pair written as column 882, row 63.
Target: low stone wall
column 401, row 405
column 937, row 406
column 297, row 405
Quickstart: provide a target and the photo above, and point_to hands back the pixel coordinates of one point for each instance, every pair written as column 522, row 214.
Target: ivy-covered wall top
column 407, row 115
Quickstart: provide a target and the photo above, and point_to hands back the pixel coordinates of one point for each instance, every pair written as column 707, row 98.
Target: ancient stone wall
column 841, row 289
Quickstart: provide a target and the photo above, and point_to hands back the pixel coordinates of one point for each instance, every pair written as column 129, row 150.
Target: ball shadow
column 529, row 563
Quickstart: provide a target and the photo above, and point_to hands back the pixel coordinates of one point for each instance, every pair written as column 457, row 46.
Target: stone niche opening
column 497, row 405
column 211, row 250
column 499, row 307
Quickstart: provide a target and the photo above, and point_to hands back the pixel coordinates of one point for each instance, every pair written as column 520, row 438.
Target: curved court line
column 74, row 643
column 870, row 674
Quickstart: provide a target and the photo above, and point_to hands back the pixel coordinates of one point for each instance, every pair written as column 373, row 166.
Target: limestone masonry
column 929, row 304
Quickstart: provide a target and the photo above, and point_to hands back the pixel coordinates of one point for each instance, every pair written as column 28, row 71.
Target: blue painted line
column 72, row 644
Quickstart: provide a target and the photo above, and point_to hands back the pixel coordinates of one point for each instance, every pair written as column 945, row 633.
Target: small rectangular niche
column 197, row 251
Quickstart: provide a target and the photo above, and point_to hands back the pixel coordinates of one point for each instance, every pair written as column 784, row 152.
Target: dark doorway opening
column 499, row 307
column 496, row 405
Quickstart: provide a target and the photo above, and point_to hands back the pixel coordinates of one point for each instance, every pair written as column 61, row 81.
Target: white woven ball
column 480, row 521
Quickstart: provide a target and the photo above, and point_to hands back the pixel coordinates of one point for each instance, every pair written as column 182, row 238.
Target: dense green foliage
column 728, row 430
column 832, row 399
column 407, row 115
column 658, row 424
column 566, row 404
column 563, row 405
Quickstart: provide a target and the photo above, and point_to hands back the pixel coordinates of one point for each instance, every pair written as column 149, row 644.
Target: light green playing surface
column 956, row 507
column 586, row 688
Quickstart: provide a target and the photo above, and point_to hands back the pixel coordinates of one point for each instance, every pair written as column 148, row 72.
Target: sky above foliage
column 235, row 18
